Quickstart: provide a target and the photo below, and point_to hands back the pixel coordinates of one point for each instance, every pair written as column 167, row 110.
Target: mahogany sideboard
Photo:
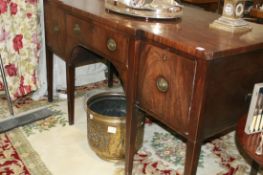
column 191, row 78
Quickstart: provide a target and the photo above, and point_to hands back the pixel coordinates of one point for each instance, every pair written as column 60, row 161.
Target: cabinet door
column 55, row 27
column 165, row 86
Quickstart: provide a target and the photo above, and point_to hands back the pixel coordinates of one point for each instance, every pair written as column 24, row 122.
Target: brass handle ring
column 162, row 84
column 111, row 45
column 56, row 28
column 76, row 28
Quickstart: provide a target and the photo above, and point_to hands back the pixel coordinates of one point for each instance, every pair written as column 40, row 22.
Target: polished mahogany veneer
column 172, row 104
column 191, row 78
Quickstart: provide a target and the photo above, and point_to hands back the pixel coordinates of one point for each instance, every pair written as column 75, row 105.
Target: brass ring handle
column 56, row 28
column 76, row 28
column 111, row 44
column 162, row 84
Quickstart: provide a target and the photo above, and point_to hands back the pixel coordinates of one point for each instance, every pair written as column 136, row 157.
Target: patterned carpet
column 52, row 147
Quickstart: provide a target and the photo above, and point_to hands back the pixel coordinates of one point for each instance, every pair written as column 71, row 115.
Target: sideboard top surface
column 190, row 34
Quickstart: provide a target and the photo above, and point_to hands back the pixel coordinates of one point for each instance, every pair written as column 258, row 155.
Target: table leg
column 70, row 74
column 193, row 150
column 130, row 140
column 254, row 168
column 110, row 74
column 49, row 62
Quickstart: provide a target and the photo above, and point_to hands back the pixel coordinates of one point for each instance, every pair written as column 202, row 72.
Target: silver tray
column 148, row 10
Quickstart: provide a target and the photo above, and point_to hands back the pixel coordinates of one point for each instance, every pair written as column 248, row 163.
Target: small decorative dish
column 148, row 9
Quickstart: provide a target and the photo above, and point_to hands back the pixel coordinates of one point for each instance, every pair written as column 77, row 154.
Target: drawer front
column 165, row 85
column 99, row 38
column 55, row 28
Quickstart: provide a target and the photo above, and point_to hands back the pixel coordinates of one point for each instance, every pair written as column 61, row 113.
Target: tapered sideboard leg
column 192, row 156
column 130, row 142
column 70, row 70
column 254, row 168
column 49, row 62
column 110, row 74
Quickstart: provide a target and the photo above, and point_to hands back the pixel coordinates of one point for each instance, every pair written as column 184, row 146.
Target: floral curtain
column 20, row 45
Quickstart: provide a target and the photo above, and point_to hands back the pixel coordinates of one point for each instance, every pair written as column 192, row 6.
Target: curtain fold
column 20, row 44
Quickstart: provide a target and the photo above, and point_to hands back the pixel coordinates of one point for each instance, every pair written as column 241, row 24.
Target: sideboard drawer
column 110, row 42
column 55, row 27
column 165, row 85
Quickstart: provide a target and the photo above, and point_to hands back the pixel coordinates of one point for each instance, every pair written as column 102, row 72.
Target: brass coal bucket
column 106, row 123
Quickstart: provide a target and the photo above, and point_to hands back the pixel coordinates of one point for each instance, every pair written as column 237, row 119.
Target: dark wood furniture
column 248, row 144
column 255, row 11
column 80, row 56
column 188, row 76
column 210, row 5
